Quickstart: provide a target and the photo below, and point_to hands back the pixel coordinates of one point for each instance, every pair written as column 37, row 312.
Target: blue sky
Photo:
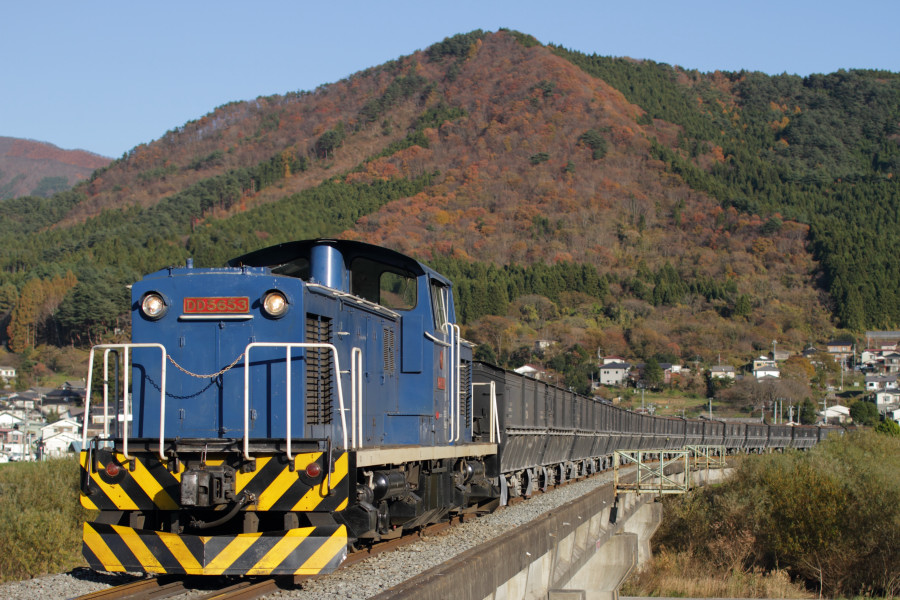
column 106, row 76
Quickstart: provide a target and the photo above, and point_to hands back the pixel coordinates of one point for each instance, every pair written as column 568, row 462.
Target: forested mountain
column 29, row 168
column 630, row 206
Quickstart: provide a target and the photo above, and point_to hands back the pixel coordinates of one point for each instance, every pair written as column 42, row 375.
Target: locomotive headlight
column 275, row 304
column 153, row 305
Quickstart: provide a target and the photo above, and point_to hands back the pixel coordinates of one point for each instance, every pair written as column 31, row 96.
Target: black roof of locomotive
column 349, row 249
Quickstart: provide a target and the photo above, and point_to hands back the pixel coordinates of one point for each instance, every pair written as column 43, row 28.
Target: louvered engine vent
column 319, row 371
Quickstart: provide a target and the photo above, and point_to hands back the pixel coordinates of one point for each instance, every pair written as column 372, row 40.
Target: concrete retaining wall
column 573, row 552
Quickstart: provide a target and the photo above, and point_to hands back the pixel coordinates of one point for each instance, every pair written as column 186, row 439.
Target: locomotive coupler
column 205, row 486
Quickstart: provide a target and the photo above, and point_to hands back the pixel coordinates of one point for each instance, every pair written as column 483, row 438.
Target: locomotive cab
column 403, row 313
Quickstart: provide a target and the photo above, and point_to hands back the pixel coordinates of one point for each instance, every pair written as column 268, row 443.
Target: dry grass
column 40, row 518
column 682, row 575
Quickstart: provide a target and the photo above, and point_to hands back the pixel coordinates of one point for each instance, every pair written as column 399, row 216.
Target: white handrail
column 125, row 387
column 125, row 393
column 493, row 420
column 457, row 373
column 288, row 346
column 495, row 411
column 106, row 393
column 448, row 326
column 436, row 340
column 356, row 371
column 287, row 410
column 455, row 366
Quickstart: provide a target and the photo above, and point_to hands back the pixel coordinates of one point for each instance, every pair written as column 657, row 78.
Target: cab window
column 383, row 284
column 440, row 305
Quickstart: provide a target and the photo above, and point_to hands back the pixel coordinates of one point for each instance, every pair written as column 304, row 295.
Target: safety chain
column 211, row 375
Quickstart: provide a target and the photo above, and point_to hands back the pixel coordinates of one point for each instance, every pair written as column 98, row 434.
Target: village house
column 763, row 367
column 876, row 383
column 59, row 444
column 57, row 438
column 882, row 353
column 841, row 351
column 8, row 420
column 891, row 362
column 886, row 400
column 871, row 361
column 614, row 373
column 835, row 414
column 25, row 400
column 7, row 374
column 722, row 372
column 61, row 426
column 12, row 441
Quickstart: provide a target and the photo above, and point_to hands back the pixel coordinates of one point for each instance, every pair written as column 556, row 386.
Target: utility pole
column 842, row 373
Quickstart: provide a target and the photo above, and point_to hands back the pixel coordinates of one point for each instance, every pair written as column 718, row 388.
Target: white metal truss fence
column 651, row 476
column 706, row 457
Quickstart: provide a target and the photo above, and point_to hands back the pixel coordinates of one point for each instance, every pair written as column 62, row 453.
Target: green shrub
column 594, row 140
column 40, row 518
column 538, row 158
column 830, row 517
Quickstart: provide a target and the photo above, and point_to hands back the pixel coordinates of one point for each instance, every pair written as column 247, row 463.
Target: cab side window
column 440, row 305
column 397, row 290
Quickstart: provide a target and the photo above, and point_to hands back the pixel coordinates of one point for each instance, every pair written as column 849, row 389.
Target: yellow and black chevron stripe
column 152, row 486
column 301, row 551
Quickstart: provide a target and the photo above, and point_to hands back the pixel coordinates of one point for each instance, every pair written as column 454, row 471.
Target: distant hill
column 631, row 206
column 29, row 168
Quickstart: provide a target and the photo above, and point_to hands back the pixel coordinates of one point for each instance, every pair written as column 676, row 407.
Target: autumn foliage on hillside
column 36, row 168
column 586, row 205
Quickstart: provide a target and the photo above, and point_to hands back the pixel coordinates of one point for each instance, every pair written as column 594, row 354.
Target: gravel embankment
column 359, row 581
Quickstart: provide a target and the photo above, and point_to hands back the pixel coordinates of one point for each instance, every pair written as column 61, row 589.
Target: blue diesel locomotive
column 308, row 396
column 315, row 396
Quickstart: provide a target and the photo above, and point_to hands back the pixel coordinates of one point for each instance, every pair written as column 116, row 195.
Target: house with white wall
column 722, row 372
column 9, row 420
column 7, row 374
column 763, row 367
column 58, row 444
column 61, row 426
column 614, row 373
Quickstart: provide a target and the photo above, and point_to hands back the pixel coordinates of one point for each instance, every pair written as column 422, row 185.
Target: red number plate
column 220, row 305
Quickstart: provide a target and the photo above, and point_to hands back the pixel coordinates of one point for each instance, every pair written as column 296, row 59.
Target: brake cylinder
column 389, row 484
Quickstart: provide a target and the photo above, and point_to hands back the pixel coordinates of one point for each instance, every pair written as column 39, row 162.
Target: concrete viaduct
column 583, row 550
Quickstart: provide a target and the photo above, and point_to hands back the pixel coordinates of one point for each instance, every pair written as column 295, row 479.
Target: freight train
column 317, row 396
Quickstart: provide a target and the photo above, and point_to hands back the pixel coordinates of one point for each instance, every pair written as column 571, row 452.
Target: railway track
column 171, row 586
column 143, row 589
